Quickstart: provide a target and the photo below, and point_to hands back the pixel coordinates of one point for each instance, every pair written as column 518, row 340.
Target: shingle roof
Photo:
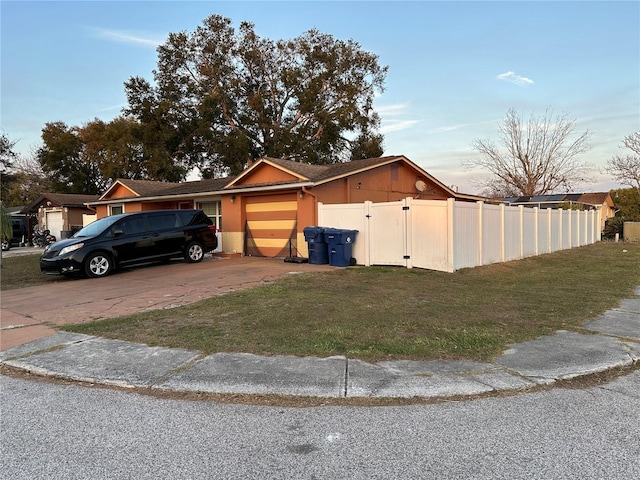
column 69, row 199
column 151, row 188
column 145, row 188
column 198, row 186
column 62, row 199
column 317, row 173
column 304, row 170
column 595, row 198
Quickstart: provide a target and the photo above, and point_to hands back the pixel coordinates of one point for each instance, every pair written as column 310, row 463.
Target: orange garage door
column 271, row 225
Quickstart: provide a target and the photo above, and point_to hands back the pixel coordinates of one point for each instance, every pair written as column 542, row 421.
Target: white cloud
column 511, row 77
column 127, row 37
column 393, row 118
column 459, row 126
column 397, row 125
column 393, row 109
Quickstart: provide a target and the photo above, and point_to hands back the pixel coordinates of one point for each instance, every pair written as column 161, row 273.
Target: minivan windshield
column 97, row 227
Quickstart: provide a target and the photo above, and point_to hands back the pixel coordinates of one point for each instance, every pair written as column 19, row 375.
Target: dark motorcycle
column 42, row 238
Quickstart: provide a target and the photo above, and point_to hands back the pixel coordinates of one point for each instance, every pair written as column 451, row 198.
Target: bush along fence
column 448, row 235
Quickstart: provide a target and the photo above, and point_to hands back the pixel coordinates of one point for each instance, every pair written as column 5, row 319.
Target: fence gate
column 388, row 233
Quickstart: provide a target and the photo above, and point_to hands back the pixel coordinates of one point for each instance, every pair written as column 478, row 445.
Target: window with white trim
column 213, row 210
column 116, row 209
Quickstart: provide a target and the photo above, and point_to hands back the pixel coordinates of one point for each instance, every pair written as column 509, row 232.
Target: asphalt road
column 52, row 431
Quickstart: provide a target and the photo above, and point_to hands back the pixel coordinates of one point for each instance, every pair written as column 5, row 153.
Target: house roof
column 595, row 199
column 152, row 188
column 319, row 174
column 323, row 173
column 303, row 174
column 74, row 200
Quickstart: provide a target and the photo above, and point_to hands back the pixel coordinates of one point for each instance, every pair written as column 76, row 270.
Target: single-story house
column 60, row 213
column 601, row 201
column 268, row 205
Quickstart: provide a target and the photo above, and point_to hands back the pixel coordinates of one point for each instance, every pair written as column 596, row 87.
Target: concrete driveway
column 32, row 313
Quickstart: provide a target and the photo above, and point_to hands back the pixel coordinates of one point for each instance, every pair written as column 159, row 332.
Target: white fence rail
column 447, row 235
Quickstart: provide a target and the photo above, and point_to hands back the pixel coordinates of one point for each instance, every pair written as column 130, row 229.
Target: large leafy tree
column 87, row 159
column 221, row 97
column 118, row 150
column 534, row 157
column 625, row 169
column 61, row 158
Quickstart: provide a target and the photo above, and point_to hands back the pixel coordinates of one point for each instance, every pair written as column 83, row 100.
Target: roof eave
column 230, row 191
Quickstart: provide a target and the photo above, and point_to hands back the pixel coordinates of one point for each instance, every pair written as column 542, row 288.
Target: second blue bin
column 340, row 246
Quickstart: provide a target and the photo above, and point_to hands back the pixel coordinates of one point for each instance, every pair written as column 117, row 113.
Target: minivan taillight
column 212, row 228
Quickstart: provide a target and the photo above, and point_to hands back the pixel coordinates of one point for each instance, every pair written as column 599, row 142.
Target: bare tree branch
column 536, row 158
column 625, row 169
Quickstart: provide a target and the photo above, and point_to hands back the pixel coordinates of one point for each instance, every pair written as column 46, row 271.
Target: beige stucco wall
column 232, row 242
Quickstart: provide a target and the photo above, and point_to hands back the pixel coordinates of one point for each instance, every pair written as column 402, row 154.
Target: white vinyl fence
column 448, row 235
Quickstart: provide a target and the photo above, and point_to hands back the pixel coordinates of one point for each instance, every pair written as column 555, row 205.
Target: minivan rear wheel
column 194, row 252
column 98, row 265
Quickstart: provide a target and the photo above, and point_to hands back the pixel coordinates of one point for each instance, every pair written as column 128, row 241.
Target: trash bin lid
column 312, row 232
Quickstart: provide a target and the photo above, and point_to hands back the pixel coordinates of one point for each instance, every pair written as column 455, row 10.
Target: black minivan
column 131, row 238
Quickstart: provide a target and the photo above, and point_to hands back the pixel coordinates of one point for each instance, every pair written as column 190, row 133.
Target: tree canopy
column 627, row 201
column 62, row 159
column 89, row 158
column 625, row 169
column 532, row 158
column 221, row 97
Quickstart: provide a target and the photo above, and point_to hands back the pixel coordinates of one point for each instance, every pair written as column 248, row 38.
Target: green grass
column 24, row 271
column 378, row 313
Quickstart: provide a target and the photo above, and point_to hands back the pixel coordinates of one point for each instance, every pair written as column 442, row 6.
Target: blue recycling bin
column 317, row 246
column 340, row 246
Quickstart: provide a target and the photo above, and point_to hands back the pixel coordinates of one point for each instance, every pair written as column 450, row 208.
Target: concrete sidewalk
column 612, row 340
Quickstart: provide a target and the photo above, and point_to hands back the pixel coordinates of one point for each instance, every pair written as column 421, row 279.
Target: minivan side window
column 163, row 222
column 132, row 226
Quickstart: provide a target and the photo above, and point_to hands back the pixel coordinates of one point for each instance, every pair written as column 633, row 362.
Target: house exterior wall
column 391, row 182
column 74, row 218
column 71, row 217
column 120, row 191
column 131, row 207
column 265, row 174
column 386, row 183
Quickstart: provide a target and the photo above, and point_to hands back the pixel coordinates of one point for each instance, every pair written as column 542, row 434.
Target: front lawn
column 381, row 313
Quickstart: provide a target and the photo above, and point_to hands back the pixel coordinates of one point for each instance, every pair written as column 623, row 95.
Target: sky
column 455, row 67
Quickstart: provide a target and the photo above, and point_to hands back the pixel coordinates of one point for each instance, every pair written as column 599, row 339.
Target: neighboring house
column 268, row 205
column 60, row 213
column 601, row 201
